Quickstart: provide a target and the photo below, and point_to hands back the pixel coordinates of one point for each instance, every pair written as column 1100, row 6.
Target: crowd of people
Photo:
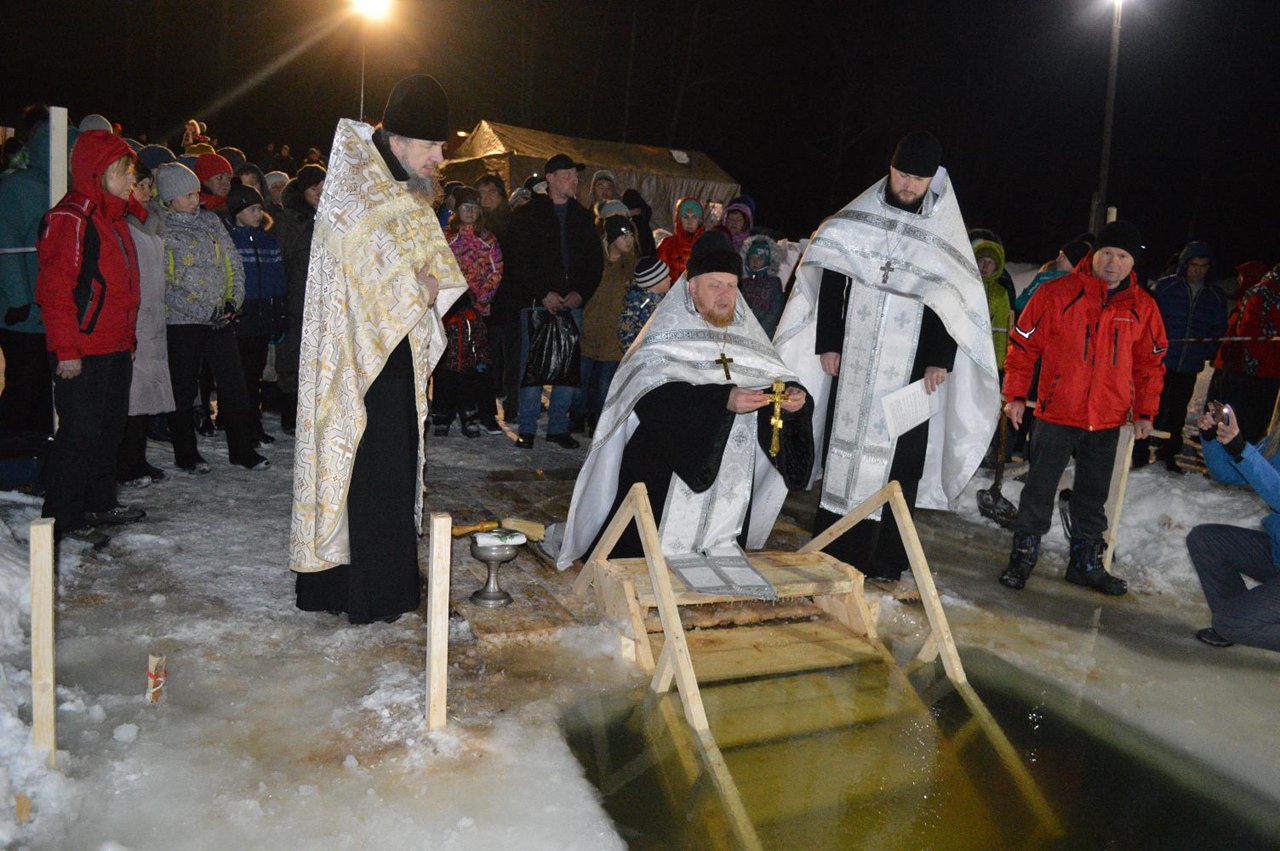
column 167, row 279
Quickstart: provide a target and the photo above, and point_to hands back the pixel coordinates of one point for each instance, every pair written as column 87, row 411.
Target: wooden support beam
column 739, row 822
column 941, row 630
column 1008, row 754
column 43, row 686
column 675, row 650
column 853, row 518
column 1115, row 495
column 625, row 514
column 438, row 620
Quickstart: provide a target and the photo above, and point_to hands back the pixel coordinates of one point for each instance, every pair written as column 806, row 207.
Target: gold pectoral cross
column 777, row 397
column 724, row 361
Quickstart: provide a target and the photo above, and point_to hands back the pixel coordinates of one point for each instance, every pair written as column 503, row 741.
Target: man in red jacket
column 1100, row 342
column 87, row 289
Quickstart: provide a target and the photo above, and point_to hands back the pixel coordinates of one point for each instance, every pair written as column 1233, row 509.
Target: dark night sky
column 801, row 102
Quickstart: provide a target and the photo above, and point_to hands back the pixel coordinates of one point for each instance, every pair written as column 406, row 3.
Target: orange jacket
column 1101, row 351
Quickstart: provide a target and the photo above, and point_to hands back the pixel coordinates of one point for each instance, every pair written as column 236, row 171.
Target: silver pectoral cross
column 886, row 268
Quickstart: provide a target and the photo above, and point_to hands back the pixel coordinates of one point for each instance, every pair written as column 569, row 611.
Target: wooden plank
column 759, row 711
column 851, row 608
column 738, row 613
column 534, row 614
column 1119, row 484
column 617, row 525
column 853, row 518
column 751, row 651
column 743, row 830
column 660, row 578
column 639, row 633
column 43, row 690
column 866, row 766
column 941, row 630
column 1017, row 769
column 438, row 620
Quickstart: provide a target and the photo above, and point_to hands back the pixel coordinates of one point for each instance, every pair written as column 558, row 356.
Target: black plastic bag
column 555, row 350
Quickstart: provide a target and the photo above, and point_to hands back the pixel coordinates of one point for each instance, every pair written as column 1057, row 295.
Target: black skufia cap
column 417, row 109
column 713, row 252
column 918, row 153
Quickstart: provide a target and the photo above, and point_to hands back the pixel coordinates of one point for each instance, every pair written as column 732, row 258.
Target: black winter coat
column 533, row 262
column 293, row 229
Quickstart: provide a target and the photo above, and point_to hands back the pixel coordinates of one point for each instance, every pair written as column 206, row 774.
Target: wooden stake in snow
column 43, row 693
column 438, row 620
column 156, row 677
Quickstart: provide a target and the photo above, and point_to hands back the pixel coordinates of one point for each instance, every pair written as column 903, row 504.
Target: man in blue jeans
column 1223, row 555
column 553, row 261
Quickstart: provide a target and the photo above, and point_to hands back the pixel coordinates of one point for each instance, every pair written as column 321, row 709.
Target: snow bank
column 1160, row 509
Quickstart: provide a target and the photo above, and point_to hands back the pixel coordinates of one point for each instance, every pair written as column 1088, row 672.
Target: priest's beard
column 718, row 318
column 893, row 200
column 425, row 189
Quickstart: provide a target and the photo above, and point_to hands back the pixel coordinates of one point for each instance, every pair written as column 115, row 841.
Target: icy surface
column 278, row 728
column 284, row 729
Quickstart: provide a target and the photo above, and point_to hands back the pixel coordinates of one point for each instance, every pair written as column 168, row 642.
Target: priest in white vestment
column 888, row 294
column 381, row 277
column 687, row 415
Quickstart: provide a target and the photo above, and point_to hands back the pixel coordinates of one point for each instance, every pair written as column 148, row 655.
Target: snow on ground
column 286, row 729
column 279, row 728
column 1160, row 509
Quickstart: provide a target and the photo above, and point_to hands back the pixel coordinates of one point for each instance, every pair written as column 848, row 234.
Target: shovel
column 991, row 503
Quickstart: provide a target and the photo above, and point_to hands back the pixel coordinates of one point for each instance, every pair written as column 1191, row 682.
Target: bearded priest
column 686, row 415
column 888, row 294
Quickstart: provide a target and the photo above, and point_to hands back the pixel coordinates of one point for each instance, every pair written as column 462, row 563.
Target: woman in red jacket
column 87, row 289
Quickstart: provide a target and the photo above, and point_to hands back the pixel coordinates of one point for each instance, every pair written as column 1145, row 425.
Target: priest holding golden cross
column 696, row 408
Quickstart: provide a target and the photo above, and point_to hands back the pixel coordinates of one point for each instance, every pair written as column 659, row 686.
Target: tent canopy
column 660, row 175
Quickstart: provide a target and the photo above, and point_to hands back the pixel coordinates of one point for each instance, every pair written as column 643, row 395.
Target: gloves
column 16, row 315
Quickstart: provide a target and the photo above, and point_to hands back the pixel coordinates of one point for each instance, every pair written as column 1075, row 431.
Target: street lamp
column 368, row 10
column 1097, row 219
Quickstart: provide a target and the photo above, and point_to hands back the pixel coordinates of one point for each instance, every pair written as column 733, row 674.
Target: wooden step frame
column 675, row 664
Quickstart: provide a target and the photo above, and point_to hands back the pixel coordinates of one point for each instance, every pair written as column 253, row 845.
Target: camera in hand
column 1219, row 411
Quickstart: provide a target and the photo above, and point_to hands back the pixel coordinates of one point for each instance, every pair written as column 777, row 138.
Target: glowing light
column 372, row 9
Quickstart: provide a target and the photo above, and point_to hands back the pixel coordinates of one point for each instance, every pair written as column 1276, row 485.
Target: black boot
column 1022, row 560
column 1141, row 453
column 241, row 432
column 441, row 425
column 470, row 422
column 206, row 425
column 1085, row 568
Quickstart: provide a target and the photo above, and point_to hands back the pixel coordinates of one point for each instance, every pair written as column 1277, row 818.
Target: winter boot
column 1022, row 560
column 470, row 422
column 441, row 425
column 205, row 425
column 1085, row 568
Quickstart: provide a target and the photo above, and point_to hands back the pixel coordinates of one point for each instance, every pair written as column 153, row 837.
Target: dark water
column 853, row 758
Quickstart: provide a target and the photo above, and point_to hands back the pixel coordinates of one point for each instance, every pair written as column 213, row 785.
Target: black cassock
column 683, row 430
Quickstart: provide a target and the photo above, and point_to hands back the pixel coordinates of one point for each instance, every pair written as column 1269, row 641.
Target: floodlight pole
column 1097, row 214
column 364, row 30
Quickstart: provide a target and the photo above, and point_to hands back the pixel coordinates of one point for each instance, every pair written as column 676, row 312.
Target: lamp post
column 1098, row 214
column 368, row 10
